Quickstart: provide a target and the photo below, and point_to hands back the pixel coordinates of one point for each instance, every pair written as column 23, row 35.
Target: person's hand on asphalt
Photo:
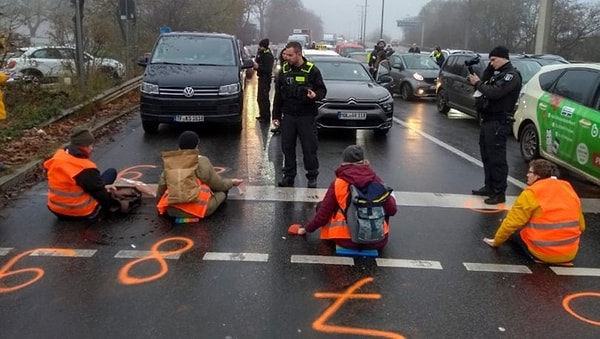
column 237, row 182
column 110, row 188
column 296, row 229
column 489, row 242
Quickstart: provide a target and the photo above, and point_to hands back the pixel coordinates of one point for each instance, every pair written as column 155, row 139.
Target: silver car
column 414, row 74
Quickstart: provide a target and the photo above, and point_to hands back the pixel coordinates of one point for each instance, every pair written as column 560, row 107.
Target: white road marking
column 321, row 259
column 225, row 256
column 454, row 150
column 480, row 267
column 135, row 254
column 63, row 252
column 5, row 250
column 576, row 271
column 408, row 263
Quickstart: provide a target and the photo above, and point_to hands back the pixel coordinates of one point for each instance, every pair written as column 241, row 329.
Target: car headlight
column 418, row 76
column 388, row 106
column 229, row 89
column 384, row 98
column 149, row 88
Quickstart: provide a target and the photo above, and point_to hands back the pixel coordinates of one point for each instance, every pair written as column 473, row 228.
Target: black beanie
column 188, row 140
column 353, row 153
column 264, row 43
column 500, row 51
column 81, row 137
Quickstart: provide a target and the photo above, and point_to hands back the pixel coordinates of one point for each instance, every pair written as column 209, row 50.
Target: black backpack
column 364, row 213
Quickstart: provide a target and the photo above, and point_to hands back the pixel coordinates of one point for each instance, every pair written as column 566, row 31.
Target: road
column 238, row 274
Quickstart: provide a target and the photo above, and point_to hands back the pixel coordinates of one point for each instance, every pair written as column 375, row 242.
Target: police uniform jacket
column 291, row 87
column 265, row 60
column 501, row 90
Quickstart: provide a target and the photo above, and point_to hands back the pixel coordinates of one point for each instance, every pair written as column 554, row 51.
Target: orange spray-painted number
column 37, row 272
column 567, row 306
column 320, row 323
column 157, row 255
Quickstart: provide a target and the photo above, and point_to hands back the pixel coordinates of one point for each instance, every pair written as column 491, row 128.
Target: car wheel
column 150, row 127
column 529, row 142
column 406, row 92
column 442, row 104
column 381, row 132
column 33, row 76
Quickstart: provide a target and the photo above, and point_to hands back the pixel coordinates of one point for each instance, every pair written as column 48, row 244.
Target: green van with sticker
column 558, row 118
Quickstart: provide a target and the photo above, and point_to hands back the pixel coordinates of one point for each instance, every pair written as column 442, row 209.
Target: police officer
column 496, row 96
column 298, row 86
column 264, row 69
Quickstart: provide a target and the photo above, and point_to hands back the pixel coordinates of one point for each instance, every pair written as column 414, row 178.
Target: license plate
column 189, row 118
column 352, row 115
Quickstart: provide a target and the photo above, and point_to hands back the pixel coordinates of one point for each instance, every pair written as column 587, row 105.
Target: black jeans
column 305, row 129
column 262, row 97
column 492, row 145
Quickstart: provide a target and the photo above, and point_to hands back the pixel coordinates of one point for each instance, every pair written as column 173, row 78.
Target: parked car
column 558, row 118
column 413, row 74
column 193, row 77
column 43, row 64
column 346, row 48
column 453, row 90
column 354, row 100
column 247, row 54
column 311, row 53
column 359, row 56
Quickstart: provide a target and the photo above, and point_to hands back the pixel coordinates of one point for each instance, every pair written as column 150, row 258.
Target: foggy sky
column 344, row 16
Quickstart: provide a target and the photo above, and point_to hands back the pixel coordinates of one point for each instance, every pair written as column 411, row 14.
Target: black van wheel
column 442, row 104
column 529, row 142
column 150, row 127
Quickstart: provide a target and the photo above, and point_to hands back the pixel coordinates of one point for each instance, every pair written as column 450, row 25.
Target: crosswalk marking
column 5, row 250
column 480, row 267
column 228, row 256
column 63, row 252
column 136, row 254
column 576, row 271
column 321, row 259
column 408, row 263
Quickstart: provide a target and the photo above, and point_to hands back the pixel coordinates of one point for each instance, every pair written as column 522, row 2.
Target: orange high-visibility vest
column 64, row 195
column 555, row 233
column 337, row 227
column 197, row 208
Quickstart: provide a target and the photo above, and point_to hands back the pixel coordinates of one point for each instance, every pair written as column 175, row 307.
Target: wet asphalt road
column 238, row 274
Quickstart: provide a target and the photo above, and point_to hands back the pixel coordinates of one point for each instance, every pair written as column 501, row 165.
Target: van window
column 577, row 85
column 195, row 50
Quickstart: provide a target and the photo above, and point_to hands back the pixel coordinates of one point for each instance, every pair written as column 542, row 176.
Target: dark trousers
column 262, row 97
column 305, row 129
column 109, row 176
column 492, row 145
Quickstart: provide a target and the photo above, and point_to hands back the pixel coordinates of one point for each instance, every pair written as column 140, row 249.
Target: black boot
column 484, row 191
column 286, row 182
column 495, row 199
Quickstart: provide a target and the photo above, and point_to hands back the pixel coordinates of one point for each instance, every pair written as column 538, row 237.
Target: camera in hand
column 473, row 61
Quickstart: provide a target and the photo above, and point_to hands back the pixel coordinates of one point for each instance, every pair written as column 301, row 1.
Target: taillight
column 11, row 64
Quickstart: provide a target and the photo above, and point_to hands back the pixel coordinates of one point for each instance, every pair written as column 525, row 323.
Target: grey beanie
column 353, row 153
column 81, row 137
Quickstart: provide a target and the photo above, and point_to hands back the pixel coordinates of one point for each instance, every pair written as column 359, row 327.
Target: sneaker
column 286, row 182
column 495, row 199
column 484, row 191
column 312, row 183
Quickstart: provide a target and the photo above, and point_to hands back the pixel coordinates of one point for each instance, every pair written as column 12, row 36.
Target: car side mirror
column 247, row 63
column 384, row 79
column 142, row 60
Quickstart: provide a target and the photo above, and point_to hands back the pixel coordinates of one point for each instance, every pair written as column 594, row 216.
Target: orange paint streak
column 38, row 272
column 566, row 305
column 320, row 325
column 129, row 172
column 157, row 255
column 469, row 204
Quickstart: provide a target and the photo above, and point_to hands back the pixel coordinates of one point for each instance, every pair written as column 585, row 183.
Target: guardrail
column 103, row 98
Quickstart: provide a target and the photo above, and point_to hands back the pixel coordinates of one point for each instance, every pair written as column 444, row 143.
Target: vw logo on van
column 188, row 92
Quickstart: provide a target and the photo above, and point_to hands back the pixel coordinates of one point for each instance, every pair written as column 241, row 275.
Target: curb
column 18, row 174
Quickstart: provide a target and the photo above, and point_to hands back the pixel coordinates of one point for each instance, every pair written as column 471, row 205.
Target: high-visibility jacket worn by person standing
column 64, row 195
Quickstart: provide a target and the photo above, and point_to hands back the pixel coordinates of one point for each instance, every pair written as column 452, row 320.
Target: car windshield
column 418, row 61
column 527, row 68
column 348, row 50
column 194, row 50
column 360, row 56
column 345, row 71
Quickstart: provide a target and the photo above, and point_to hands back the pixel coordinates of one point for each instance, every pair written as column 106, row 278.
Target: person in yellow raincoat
column 3, row 79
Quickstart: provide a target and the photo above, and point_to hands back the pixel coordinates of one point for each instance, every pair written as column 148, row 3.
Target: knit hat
column 81, row 137
column 500, row 51
column 188, row 140
column 264, row 43
column 353, row 153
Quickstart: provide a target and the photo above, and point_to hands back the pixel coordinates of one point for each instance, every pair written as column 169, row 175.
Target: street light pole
column 382, row 11
column 364, row 38
column 81, row 69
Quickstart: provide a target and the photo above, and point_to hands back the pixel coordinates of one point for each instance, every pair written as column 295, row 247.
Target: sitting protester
column 76, row 189
column 546, row 220
column 189, row 186
column 334, row 215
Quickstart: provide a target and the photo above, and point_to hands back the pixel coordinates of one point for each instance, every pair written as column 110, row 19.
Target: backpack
column 180, row 175
column 365, row 215
column 128, row 198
